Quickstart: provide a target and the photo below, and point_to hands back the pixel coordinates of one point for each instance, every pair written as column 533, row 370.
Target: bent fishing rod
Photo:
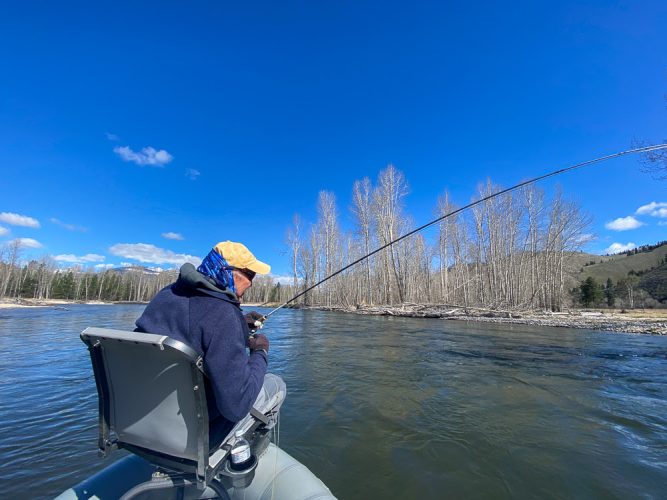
column 644, row 149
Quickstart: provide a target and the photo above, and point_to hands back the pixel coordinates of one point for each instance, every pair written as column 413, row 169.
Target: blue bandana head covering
column 215, row 266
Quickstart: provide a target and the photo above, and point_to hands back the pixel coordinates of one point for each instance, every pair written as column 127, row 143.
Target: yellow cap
column 237, row 255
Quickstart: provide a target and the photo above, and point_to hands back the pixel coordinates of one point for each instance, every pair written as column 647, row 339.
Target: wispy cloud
column 18, row 219
column 74, row 259
column 69, row 227
column 662, row 223
column 619, row 247
column 654, row 209
column 103, row 266
column 4, row 231
column 146, row 253
column 192, row 174
column 147, row 156
column 624, row 224
column 112, row 137
column 27, row 243
column 173, row 236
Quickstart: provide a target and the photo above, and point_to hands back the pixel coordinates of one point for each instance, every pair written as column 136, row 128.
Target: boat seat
column 152, row 401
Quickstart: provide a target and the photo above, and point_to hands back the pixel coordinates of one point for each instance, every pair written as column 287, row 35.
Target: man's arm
column 235, row 377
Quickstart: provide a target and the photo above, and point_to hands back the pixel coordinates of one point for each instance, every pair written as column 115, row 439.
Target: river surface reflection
column 381, row 407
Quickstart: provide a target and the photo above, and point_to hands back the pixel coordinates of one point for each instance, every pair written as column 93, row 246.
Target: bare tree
column 654, row 162
column 329, row 235
column 387, row 210
column 294, row 243
column 361, row 209
column 12, row 251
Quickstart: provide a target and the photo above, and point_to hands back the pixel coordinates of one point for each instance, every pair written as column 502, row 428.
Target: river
column 380, row 407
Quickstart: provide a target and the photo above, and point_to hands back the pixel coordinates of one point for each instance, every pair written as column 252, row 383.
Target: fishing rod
column 644, row 149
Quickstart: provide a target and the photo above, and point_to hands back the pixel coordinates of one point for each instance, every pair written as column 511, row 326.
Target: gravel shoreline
column 605, row 321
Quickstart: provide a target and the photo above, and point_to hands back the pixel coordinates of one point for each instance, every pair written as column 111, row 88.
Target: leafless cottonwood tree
column 294, row 244
column 9, row 258
column 508, row 252
column 387, row 211
column 362, row 204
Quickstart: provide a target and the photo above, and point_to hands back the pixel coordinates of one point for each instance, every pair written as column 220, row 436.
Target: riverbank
column 16, row 303
column 648, row 321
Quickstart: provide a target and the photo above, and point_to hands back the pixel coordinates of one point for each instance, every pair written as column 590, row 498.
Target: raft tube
column 278, row 476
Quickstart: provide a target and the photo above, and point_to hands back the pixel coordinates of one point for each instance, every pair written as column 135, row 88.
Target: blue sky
column 123, row 122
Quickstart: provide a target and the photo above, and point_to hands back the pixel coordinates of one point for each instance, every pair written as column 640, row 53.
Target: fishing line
column 644, row 149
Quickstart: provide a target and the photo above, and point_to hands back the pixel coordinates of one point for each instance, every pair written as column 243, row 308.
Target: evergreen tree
column 28, row 287
column 63, row 286
column 275, row 293
column 609, row 293
column 591, row 292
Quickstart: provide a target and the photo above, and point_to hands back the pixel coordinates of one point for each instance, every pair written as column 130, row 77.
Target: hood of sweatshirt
column 189, row 277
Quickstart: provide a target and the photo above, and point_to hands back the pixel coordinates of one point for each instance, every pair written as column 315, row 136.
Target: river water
column 380, row 407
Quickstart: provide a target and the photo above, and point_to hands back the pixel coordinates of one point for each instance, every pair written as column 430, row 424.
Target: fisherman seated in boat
column 202, row 309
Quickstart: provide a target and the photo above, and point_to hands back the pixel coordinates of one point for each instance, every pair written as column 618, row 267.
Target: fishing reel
column 255, row 321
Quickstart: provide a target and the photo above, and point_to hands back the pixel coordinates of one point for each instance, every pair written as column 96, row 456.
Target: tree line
column 509, row 252
column 628, row 292
column 43, row 279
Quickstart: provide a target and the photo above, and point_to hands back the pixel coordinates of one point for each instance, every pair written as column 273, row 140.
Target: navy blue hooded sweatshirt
column 210, row 321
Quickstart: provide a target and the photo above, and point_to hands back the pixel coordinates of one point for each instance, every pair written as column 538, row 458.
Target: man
column 202, row 309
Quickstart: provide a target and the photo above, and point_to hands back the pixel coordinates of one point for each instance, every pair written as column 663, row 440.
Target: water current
column 380, row 407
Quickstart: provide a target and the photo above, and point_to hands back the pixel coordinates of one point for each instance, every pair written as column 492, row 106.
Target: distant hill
column 649, row 263
column 620, row 265
column 655, row 283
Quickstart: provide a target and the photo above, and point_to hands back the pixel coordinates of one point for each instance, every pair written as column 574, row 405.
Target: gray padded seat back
column 149, row 383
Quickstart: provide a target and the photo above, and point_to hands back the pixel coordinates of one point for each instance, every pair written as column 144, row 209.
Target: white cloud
column 173, row 236
column 18, row 220
column 69, row 227
column 143, row 252
column 624, row 224
column 654, row 209
column 147, row 156
column 27, row 243
column 192, row 174
column 103, row 266
column 586, row 238
column 112, row 137
column 619, row 247
column 73, row 259
column 4, row 231
column 92, row 257
column 282, row 279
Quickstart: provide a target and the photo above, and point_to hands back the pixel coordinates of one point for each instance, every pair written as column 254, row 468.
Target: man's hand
column 254, row 320
column 258, row 342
